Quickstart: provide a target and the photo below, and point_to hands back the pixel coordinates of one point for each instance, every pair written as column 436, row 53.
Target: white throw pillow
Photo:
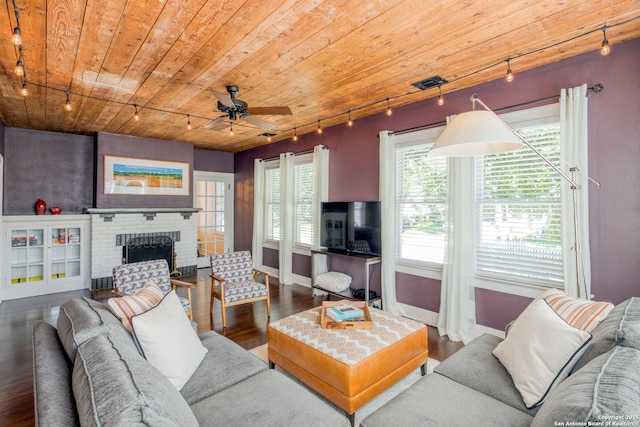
column 333, row 281
column 167, row 340
column 540, row 351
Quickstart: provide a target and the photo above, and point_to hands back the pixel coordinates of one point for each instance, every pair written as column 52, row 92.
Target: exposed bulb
column 350, row 122
column 440, row 100
column 24, row 91
column 509, row 77
column 67, row 105
column 605, row 49
column 319, row 130
column 19, row 70
column 295, row 134
column 16, row 38
column 188, row 122
column 231, row 130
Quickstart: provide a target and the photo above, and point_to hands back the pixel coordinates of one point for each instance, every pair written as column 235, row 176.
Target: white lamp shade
column 475, row 133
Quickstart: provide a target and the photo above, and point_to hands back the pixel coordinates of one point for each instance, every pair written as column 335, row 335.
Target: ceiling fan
column 235, row 108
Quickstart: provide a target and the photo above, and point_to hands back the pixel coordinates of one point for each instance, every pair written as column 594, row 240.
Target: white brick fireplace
column 110, row 228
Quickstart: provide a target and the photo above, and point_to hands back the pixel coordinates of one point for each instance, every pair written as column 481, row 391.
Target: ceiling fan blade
column 215, row 122
column 224, row 99
column 270, row 111
column 262, row 124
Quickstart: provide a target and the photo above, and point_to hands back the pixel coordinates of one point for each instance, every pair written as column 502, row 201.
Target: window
column 303, row 197
column 421, row 191
column 272, row 202
column 517, row 199
column 518, row 211
column 303, row 213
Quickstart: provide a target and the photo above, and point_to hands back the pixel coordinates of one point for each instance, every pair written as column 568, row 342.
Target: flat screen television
column 351, row 227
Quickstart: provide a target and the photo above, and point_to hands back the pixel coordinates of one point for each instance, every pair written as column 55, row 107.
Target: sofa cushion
column 81, row 319
column 167, row 340
column 540, row 351
column 54, row 402
column 437, row 401
column 475, row 367
column 114, row 385
column 579, row 313
column 620, row 327
column 225, row 364
column 268, row 399
column 606, row 389
column 143, row 299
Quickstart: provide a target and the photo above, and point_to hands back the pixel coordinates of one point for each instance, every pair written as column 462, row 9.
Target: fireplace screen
column 147, row 248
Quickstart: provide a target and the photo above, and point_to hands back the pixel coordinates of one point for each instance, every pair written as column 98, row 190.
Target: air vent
column 434, row 81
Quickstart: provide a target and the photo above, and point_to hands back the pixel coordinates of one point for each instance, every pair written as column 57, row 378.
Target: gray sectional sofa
column 473, row 388
column 88, row 372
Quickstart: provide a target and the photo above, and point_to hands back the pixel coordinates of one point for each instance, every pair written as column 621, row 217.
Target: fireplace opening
column 147, row 248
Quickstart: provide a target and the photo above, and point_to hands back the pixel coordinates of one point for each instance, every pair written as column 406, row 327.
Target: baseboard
column 420, row 314
column 479, row 330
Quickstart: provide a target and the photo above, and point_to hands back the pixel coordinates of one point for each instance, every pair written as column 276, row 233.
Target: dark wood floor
column 246, row 325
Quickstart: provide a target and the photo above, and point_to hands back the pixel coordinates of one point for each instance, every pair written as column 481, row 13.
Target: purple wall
column 614, row 129
column 56, row 167
column 212, row 161
column 144, row 148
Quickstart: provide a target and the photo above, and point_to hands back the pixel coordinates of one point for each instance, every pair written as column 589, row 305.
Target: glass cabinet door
column 27, row 255
column 65, row 252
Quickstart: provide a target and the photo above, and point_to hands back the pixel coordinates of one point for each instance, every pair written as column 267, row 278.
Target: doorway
column 213, row 195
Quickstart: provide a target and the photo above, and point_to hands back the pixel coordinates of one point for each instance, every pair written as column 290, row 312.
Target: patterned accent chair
column 234, row 282
column 128, row 278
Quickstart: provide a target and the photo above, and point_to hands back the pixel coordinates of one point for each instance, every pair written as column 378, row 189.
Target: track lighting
column 136, row 116
column 16, row 38
column 23, row 90
column 19, row 70
column 509, row 77
column 67, row 104
column 605, row 49
column 440, row 98
column 295, row 134
column 188, row 122
column 389, row 112
column 319, row 130
column 350, row 122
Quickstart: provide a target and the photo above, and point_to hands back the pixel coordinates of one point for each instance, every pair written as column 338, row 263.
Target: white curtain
column 287, row 202
column 320, row 194
column 387, row 195
column 457, row 301
column 258, row 212
column 575, row 203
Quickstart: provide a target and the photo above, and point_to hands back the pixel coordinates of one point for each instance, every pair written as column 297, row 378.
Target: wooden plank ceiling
column 321, row 58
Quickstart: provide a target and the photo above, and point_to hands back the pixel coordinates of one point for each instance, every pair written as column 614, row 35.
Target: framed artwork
column 128, row 175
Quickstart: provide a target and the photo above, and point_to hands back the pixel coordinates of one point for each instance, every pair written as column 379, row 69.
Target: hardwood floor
column 246, row 325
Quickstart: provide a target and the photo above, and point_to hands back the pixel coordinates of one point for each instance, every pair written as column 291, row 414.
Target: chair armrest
column 261, row 272
column 183, row 284
column 218, row 278
column 118, row 293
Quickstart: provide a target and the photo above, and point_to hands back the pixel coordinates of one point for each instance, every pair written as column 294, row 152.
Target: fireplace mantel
column 148, row 213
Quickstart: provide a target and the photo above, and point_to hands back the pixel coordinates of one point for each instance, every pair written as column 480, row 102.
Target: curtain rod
column 595, row 89
column 299, row 153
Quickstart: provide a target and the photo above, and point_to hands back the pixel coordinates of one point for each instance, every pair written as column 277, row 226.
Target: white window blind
column 519, row 212
column 272, row 203
column 303, row 214
column 421, row 203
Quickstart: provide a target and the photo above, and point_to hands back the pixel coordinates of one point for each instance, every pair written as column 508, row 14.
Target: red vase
column 41, row 207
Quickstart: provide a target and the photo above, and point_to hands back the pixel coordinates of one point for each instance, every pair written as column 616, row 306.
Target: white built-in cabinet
column 45, row 254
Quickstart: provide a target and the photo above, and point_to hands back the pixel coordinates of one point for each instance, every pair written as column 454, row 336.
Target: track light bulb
column 389, row 112
column 16, row 38
column 24, row 91
column 19, row 68
column 605, row 49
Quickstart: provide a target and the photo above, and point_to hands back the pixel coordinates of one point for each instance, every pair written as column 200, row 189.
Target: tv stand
column 366, row 260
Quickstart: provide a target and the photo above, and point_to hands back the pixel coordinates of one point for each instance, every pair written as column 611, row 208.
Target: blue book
column 344, row 312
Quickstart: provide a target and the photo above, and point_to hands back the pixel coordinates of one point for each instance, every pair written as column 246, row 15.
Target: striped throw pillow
column 579, row 313
column 129, row 305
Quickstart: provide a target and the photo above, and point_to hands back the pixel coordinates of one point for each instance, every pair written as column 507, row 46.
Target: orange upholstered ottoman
column 348, row 367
